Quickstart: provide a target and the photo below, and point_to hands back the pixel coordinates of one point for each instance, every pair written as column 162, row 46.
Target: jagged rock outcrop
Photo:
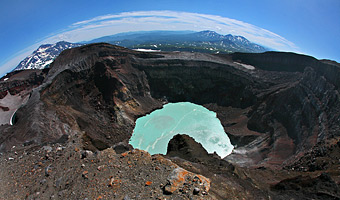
column 185, row 147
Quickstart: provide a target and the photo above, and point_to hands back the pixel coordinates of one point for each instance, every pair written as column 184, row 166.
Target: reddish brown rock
column 4, row 108
column 179, row 176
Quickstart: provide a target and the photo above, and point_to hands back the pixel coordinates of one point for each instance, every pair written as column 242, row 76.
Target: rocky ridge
column 275, row 115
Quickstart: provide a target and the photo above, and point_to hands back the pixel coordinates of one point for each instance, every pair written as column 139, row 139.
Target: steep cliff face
column 299, row 116
column 278, row 116
column 15, row 89
column 16, row 82
column 200, row 82
column 291, row 62
column 110, row 95
column 275, row 116
column 273, row 113
column 95, row 91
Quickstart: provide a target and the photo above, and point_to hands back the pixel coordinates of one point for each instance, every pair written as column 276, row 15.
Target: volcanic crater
column 282, row 116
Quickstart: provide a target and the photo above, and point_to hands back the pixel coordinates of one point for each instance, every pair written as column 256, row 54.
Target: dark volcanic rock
column 99, row 90
column 284, row 113
column 187, row 148
column 92, row 90
column 291, row 62
column 306, row 187
column 199, row 81
column 277, row 61
column 15, row 89
column 299, row 114
column 225, row 183
column 4, row 108
column 18, row 81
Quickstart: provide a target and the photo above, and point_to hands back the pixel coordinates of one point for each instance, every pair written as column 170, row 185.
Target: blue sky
column 307, row 26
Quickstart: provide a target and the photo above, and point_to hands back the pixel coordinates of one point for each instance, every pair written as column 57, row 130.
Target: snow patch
column 47, row 63
column 147, row 50
column 44, row 56
column 245, row 66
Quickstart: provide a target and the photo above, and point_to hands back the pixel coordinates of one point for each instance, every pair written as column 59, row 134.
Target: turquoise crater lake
column 153, row 132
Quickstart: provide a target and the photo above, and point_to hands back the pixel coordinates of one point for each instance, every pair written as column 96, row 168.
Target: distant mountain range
column 204, row 41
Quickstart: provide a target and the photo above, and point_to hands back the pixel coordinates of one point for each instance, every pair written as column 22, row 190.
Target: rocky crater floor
column 73, row 121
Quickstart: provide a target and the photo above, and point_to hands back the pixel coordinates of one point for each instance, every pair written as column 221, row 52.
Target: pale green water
column 153, row 132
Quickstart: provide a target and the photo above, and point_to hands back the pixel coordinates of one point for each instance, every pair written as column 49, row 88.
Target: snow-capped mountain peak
column 44, row 55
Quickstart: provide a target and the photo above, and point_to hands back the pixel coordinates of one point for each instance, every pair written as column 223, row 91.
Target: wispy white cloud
column 165, row 20
column 171, row 20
